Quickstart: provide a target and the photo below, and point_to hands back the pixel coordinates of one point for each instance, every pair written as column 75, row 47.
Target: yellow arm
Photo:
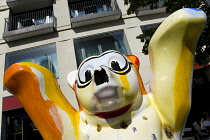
column 37, row 90
column 172, row 57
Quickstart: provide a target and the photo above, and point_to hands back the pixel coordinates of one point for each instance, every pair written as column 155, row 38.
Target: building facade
column 59, row 34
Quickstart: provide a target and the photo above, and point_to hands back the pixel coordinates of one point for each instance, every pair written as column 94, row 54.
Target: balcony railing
column 92, row 7
column 28, row 20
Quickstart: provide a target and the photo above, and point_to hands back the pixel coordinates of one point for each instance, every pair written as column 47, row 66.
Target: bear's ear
column 71, row 78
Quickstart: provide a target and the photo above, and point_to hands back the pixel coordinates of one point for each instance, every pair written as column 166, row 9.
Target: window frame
column 32, row 54
column 100, row 48
column 149, row 26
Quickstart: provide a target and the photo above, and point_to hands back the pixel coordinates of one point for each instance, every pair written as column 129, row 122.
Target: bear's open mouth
column 108, row 98
column 114, row 113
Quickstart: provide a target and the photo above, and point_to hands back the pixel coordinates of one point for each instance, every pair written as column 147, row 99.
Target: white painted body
column 142, row 127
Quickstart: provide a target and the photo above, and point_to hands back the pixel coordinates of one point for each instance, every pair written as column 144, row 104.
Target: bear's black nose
column 100, row 76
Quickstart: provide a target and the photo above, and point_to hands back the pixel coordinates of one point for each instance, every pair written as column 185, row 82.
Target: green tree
column 202, row 54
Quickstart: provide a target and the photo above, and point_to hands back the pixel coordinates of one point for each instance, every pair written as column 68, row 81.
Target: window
column 44, row 56
column 95, row 45
column 18, row 126
column 151, row 26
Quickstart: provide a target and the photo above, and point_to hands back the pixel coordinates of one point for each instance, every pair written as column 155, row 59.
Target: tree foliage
column 202, row 54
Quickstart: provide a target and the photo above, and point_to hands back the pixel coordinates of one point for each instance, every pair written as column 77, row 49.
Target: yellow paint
column 171, row 55
column 125, row 83
column 181, row 87
column 85, row 101
column 54, row 94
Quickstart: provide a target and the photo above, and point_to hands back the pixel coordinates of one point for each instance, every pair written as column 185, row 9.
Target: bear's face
column 106, row 83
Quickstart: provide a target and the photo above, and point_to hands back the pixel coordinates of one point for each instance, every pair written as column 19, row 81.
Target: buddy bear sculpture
column 111, row 96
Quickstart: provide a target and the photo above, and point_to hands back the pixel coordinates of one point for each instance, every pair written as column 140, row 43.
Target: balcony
column 93, row 12
column 29, row 25
column 143, row 11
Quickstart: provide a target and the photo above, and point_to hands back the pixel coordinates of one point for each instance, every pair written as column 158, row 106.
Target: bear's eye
column 115, row 66
column 87, row 75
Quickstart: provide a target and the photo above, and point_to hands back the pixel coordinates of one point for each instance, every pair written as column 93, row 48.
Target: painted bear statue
column 113, row 104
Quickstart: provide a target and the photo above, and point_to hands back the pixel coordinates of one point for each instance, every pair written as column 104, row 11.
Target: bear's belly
column 145, row 125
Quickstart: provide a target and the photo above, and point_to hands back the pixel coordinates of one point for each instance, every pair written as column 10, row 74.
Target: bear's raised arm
column 37, row 90
column 171, row 52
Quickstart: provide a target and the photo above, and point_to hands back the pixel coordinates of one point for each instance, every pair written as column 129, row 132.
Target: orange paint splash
column 136, row 64
column 23, row 83
column 29, row 95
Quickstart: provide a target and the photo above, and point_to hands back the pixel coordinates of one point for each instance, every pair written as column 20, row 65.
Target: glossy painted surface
column 38, row 91
column 112, row 99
